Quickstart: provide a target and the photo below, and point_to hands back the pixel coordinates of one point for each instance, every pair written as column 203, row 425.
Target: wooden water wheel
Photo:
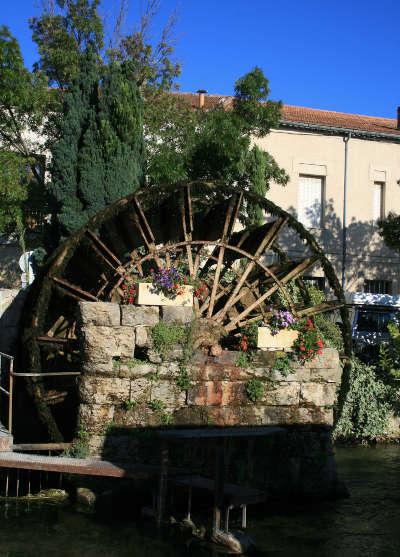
column 196, row 226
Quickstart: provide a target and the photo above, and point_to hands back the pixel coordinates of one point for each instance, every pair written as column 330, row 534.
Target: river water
column 366, row 524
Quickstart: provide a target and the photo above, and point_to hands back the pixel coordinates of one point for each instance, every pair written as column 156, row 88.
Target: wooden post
column 219, row 481
column 11, row 397
column 162, row 486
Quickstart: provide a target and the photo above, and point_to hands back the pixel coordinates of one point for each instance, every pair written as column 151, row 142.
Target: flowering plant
column 280, row 320
column 128, row 291
column 170, row 280
column 309, row 342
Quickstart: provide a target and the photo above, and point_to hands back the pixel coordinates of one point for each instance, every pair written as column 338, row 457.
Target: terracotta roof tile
column 310, row 116
column 314, row 116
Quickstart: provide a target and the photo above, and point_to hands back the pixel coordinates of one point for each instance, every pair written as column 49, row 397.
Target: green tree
column 13, row 192
column 215, row 144
column 99, row 157
column 24, row 102
column 389, row 229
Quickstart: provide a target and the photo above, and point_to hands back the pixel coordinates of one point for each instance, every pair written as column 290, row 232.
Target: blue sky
column 332, row 54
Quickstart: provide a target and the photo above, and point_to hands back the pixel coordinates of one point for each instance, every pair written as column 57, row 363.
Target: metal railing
column 12, row 374
column 3, row 389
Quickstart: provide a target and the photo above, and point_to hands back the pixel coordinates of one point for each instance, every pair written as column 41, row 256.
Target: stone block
column 329, row 375
column 285, row 394
column 142, row 336
column 218, row 393
column 95, row 418
column 132, row 316
column 300, row 373
column 104, row 314
column 103, row 344
column 181, row 315
column 319, row 394
column 114, row 390
column 11, row 306
column 147, row 295
column 169, row 393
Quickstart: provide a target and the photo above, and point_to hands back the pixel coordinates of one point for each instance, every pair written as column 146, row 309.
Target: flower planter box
column 282, row 340
column 147, row 296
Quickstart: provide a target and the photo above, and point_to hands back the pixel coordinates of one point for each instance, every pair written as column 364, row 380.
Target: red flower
column 130, row 299
column 124, row 286
column 302, row 347
column 320, row 343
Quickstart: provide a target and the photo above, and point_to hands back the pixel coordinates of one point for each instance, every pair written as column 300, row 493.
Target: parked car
column 371, row 315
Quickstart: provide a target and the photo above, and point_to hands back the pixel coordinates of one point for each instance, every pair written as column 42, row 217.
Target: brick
column 177, row 314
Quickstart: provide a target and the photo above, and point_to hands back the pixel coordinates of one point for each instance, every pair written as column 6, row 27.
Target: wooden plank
column 268, row 239
column 320, row 308
column 230, row 220
column 187, row 226
column 232, row 493
column 73, row 290
column 54, row 340
column 219, row 432
column 82, row 466
column 27, row 447
column 103, row 248
column 295, row 272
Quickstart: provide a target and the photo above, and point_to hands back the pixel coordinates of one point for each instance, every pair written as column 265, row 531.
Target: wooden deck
column 82, row 466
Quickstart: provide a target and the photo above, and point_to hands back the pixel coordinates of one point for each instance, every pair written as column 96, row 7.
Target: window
column 316, row 282
column 378, row 198
column 378, row 286
column 310, row 201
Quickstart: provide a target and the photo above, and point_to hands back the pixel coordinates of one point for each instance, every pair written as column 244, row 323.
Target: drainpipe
column 344, row 228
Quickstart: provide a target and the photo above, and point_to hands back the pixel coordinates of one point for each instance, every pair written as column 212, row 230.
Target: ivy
column 367, row 406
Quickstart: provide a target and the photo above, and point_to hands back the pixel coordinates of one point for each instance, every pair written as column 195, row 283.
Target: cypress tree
column 99, row 156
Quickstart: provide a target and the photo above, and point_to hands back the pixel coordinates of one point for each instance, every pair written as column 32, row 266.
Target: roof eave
column 336, row 130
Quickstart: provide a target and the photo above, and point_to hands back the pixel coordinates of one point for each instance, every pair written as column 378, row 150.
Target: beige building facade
column 342, row 167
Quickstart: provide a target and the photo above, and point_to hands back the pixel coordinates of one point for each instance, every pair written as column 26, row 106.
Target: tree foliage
column 13, row 191
column 389, row 229
column 99, row 157
column 215, row 144
column 366, row 409
column 24, row 102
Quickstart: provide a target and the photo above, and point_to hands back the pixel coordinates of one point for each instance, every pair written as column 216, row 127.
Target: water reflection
column 366, row 524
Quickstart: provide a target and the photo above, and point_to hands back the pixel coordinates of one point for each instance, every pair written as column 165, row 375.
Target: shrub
column 165, row 336
column 365, row 412
column 255, row 389
column 283, row 365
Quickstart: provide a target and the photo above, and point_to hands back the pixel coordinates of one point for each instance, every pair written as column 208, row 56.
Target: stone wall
column 126, row 386
column 11, row 306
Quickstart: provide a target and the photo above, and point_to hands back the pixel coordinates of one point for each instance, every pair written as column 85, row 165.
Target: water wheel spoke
column 145, row 231
column 187, row 226
column 230, row 221
column 73, row 291
column 319, row 308
column 103, row 251
column 279, row 284
column 267, row 241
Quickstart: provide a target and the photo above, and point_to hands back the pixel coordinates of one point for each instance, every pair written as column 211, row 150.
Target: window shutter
column 309, row 203
column 377, row 195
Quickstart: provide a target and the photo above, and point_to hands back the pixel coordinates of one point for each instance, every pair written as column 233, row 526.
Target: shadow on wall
column 367, row 255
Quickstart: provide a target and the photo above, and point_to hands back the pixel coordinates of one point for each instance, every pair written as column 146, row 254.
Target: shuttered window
column 378, row 201
column 310, row 201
